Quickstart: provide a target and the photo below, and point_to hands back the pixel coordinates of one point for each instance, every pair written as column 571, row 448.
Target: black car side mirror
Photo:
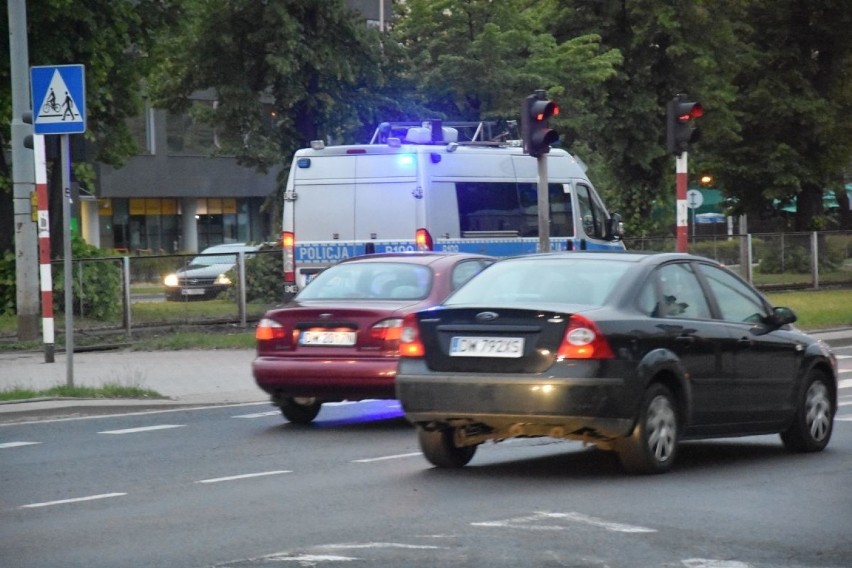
column 781, row 316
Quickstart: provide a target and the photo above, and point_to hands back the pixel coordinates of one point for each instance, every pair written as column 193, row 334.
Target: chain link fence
column 124, row 297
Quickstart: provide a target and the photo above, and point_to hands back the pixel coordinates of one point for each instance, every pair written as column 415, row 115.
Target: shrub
column 722, row 250
column 96, row 283
column 264, row 282
column 8, row 287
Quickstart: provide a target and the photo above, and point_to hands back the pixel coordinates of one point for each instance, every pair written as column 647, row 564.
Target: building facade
column 178, row 194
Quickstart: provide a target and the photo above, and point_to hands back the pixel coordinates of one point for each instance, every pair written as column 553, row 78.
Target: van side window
column 511, row 209
column 592, row 215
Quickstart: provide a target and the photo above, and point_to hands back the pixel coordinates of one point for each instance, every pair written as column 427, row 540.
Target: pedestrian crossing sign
column 59, row 99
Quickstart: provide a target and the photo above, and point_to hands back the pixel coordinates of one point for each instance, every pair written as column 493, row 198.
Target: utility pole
column 23, row 178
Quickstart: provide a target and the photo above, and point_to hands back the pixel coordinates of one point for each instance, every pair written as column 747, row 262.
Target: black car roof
column 623, row 256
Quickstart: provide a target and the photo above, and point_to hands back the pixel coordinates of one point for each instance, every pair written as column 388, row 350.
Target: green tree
column 112, row 39
column 284, row 73
column 794, row 107
column 476, row 59
column 668, row 47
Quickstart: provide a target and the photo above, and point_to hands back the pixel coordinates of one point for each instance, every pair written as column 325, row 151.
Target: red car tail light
column 409, row 341
column 268, row 329
column 387, row 330
column 583, row 340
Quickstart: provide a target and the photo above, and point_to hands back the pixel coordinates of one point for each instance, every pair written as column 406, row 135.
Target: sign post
column 59, row 107
column 694, row 199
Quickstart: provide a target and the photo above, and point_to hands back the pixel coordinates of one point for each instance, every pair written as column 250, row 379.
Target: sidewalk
column 190, row 377
column 186, row 377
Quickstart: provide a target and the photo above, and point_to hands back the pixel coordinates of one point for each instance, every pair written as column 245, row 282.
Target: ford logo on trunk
column 486, row 316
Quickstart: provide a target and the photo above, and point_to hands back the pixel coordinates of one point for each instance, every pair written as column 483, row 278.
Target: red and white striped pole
column 682, row 207
column 45, row 275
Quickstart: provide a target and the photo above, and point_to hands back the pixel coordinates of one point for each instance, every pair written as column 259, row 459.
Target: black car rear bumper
column 511, row 405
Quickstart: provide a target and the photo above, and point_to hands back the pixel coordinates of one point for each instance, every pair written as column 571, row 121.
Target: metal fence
column 772, row 260
column 125, row 295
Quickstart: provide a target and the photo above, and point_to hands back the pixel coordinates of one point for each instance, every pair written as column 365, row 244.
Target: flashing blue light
column 405, row 160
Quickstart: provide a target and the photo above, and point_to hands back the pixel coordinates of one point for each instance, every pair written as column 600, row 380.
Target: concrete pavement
column 188, row 377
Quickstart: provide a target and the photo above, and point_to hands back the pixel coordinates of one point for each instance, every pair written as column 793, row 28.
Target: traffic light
column 27, row 118
column 679, row 130
column 536, row 134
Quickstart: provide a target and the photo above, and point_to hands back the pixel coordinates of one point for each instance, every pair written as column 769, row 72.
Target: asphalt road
column 237, row 486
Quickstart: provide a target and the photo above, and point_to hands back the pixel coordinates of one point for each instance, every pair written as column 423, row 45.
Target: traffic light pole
column 543, row 206
column 23, row 179
column 682, row 207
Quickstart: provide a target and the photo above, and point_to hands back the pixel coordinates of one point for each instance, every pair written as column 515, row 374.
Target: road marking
column 527, row 523
column 708, row 563
column 125, row 414
column 383, row 458
column 844, row 383
column 363, row 545
column 17, row 444
column 143, row 429
column 77, row 500
column 259, row 414
column 243, row 476
column 844, row 419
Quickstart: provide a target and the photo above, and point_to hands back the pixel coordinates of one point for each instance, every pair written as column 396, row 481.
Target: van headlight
column 223, row 280
column 171, row 281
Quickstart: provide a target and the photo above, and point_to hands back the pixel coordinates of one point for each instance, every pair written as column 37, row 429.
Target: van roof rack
column 434, row 131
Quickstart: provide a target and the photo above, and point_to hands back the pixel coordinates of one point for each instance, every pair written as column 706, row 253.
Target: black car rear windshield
column 563, row 280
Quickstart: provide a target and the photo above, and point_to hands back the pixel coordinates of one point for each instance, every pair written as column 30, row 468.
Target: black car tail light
column 409, row 340
column 583, row 340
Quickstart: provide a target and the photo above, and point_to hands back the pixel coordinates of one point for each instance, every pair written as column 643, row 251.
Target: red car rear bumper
column 328, row 379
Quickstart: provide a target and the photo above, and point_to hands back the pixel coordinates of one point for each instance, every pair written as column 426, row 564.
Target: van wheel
column 652, row 446
column 440, row 449
column 812, row 424
column 299, row 410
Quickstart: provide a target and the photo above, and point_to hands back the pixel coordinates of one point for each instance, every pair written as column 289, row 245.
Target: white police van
column 417, row 187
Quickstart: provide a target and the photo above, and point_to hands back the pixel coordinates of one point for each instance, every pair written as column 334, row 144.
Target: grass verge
column 64, row 391
column 817, row 309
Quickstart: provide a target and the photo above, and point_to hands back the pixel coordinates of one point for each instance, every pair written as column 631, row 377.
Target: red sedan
column 338, row 339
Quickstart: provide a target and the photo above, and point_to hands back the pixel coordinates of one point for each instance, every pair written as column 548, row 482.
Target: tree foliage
column 794, row 109
column 111, row 38
column 284, row 73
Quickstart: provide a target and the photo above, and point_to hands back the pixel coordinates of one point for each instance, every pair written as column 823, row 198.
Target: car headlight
column 171, row 280
column 223, row 280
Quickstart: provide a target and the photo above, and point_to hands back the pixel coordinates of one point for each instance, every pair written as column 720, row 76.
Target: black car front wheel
column 299, row 410
column 812, row 424
column 652, row 446
column 440, row 448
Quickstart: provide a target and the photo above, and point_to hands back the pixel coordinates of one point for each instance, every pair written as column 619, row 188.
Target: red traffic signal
column 679, row 131
column 536, row 134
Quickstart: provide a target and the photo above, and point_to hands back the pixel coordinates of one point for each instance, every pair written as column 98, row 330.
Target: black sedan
column 631, row 352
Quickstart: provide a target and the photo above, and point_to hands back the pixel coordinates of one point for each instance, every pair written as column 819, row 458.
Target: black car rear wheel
column 299, row 410
column 652, row 446
column 812, row 425
column 440, row 449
